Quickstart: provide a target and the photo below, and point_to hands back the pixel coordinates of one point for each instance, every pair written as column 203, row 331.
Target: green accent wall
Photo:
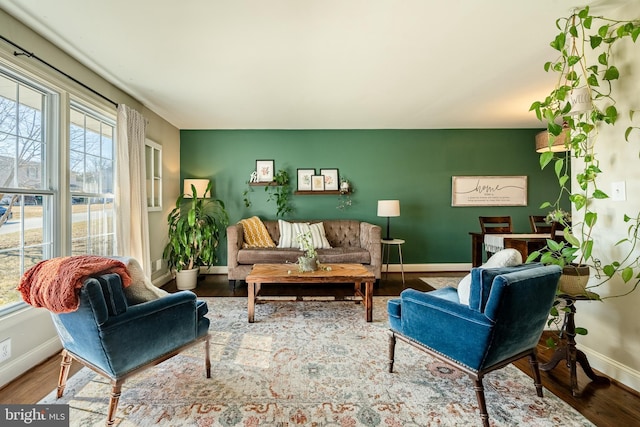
column 413, row 166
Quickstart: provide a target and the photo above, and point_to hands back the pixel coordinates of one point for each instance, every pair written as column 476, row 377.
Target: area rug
column 309, row 363
column 441, row 282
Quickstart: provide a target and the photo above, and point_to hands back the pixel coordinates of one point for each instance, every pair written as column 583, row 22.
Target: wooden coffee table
column 288, row 273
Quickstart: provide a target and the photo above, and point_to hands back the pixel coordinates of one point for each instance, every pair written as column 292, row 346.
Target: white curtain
column 132, row 225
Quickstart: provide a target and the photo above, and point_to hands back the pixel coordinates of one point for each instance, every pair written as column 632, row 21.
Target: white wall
column 613, row 342
column 33, row 338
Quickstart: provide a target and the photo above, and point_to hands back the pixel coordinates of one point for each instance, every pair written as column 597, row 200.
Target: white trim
column 27, row 361
column 612, row 368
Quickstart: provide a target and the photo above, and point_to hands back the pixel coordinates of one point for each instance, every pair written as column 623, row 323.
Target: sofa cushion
column 289, row 232
column 255, row 234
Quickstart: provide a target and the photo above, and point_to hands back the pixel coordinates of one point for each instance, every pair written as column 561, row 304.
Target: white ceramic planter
column 187, row 279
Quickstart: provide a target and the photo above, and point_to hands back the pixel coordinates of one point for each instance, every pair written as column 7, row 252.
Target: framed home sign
column 489, row 191
column 331, row 181
column 304, row 179
column 264, row 169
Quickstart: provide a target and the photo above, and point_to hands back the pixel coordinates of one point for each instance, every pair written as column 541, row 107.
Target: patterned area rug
column 441, row 282
column 309, row 363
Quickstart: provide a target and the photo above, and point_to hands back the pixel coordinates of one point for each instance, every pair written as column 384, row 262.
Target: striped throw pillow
column 256, row 234
column 289, row 232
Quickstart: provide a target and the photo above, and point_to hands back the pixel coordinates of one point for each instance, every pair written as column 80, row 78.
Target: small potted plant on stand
column 195, row 227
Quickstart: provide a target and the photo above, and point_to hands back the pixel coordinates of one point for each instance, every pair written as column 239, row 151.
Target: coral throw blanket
column 54, row 283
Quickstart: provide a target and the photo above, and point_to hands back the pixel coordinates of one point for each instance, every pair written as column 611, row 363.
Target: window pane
column 30, row 113
column 107, row 141
column 92, row 137
column 25, row 238
column 8, row 151
column 76, row 130
column 30, row 164
column 8, row 112
column 76, row 164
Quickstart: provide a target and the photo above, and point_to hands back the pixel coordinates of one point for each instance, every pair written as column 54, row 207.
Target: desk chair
column 539, row 225
column 496, row 224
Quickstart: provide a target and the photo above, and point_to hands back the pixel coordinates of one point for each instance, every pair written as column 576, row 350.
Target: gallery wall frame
column 331, row 179
column 265, row 170
column 304, row 179
column 489, row 190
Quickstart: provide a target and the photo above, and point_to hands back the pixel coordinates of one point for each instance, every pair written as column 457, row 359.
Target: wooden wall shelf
column 307, row 193
column 262, row 184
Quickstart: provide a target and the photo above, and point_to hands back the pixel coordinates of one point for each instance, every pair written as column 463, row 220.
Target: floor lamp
column 388, row 208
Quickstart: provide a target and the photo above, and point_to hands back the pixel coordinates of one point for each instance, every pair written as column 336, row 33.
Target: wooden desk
column 523, row 243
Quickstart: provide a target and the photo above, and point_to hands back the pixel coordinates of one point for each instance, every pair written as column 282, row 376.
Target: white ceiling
column 315, row 64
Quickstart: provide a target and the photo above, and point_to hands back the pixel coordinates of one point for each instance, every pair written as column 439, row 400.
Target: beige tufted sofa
column 351, row 241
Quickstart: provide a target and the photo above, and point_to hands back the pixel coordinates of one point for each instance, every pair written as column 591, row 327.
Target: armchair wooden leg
column 482, row 404
column 65, row 365
column 533, row 361
column 207, row 358
column 113, row 402
column 392, row 350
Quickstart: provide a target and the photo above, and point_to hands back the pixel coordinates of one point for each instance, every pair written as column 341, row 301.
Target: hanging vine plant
column 583, row 101
column 279, row 191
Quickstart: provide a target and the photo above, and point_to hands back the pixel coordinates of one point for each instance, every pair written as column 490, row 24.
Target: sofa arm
column 370, row 239
column 235, row 238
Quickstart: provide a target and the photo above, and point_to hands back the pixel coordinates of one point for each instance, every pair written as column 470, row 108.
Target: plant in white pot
column 195, row 227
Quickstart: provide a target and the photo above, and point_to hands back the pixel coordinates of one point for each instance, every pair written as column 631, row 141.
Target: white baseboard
column 24, row 362
column 160, row 281
column 612, row 368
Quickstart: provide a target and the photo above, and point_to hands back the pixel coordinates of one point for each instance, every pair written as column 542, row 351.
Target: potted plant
column 309, row 261
column 581, row 103
column 195, row 227
column 278, row 190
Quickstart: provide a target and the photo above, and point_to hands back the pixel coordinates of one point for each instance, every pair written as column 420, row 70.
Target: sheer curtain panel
column 132, row 227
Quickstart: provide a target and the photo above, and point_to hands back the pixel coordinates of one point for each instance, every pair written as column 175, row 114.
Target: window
column 26, row 193
column 91, row 181
column 45, row 210
column 153, row 164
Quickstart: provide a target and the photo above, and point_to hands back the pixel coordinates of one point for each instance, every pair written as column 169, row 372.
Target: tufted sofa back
column 340, row 232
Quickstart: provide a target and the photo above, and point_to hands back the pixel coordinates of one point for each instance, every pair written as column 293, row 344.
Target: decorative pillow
column 289, row 232
column 256, row 234
column 503, row 258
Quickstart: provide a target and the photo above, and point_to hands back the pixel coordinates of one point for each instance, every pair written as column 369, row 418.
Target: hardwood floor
column 604, row 405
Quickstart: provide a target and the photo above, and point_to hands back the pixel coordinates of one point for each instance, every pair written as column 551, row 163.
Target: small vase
column 307, row 264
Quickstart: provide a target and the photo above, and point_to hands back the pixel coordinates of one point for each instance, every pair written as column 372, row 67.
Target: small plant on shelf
column 278, row 189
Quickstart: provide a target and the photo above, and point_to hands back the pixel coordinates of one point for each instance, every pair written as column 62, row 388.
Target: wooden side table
column 386, row 244
column 569, row 352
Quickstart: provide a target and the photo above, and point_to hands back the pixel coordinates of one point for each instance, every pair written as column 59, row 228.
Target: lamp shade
column 388, row 208
column 201, row 187
column 558, row 145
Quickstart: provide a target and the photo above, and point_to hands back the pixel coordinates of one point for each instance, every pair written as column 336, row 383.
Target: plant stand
column 569, row 352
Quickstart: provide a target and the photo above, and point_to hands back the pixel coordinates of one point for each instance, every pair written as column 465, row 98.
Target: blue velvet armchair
column 117, row 339
column 507, row 312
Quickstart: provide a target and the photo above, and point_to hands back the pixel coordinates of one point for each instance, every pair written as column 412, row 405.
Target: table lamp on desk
column 388, row 208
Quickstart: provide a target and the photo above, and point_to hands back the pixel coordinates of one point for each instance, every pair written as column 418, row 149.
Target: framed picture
column 304, row 179
column 264, row 169
column 489, row 191
column 317, row 183
column 331, row 181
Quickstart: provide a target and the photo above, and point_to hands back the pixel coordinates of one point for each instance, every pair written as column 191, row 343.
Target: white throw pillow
column 503, row 258
column 289, row 232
